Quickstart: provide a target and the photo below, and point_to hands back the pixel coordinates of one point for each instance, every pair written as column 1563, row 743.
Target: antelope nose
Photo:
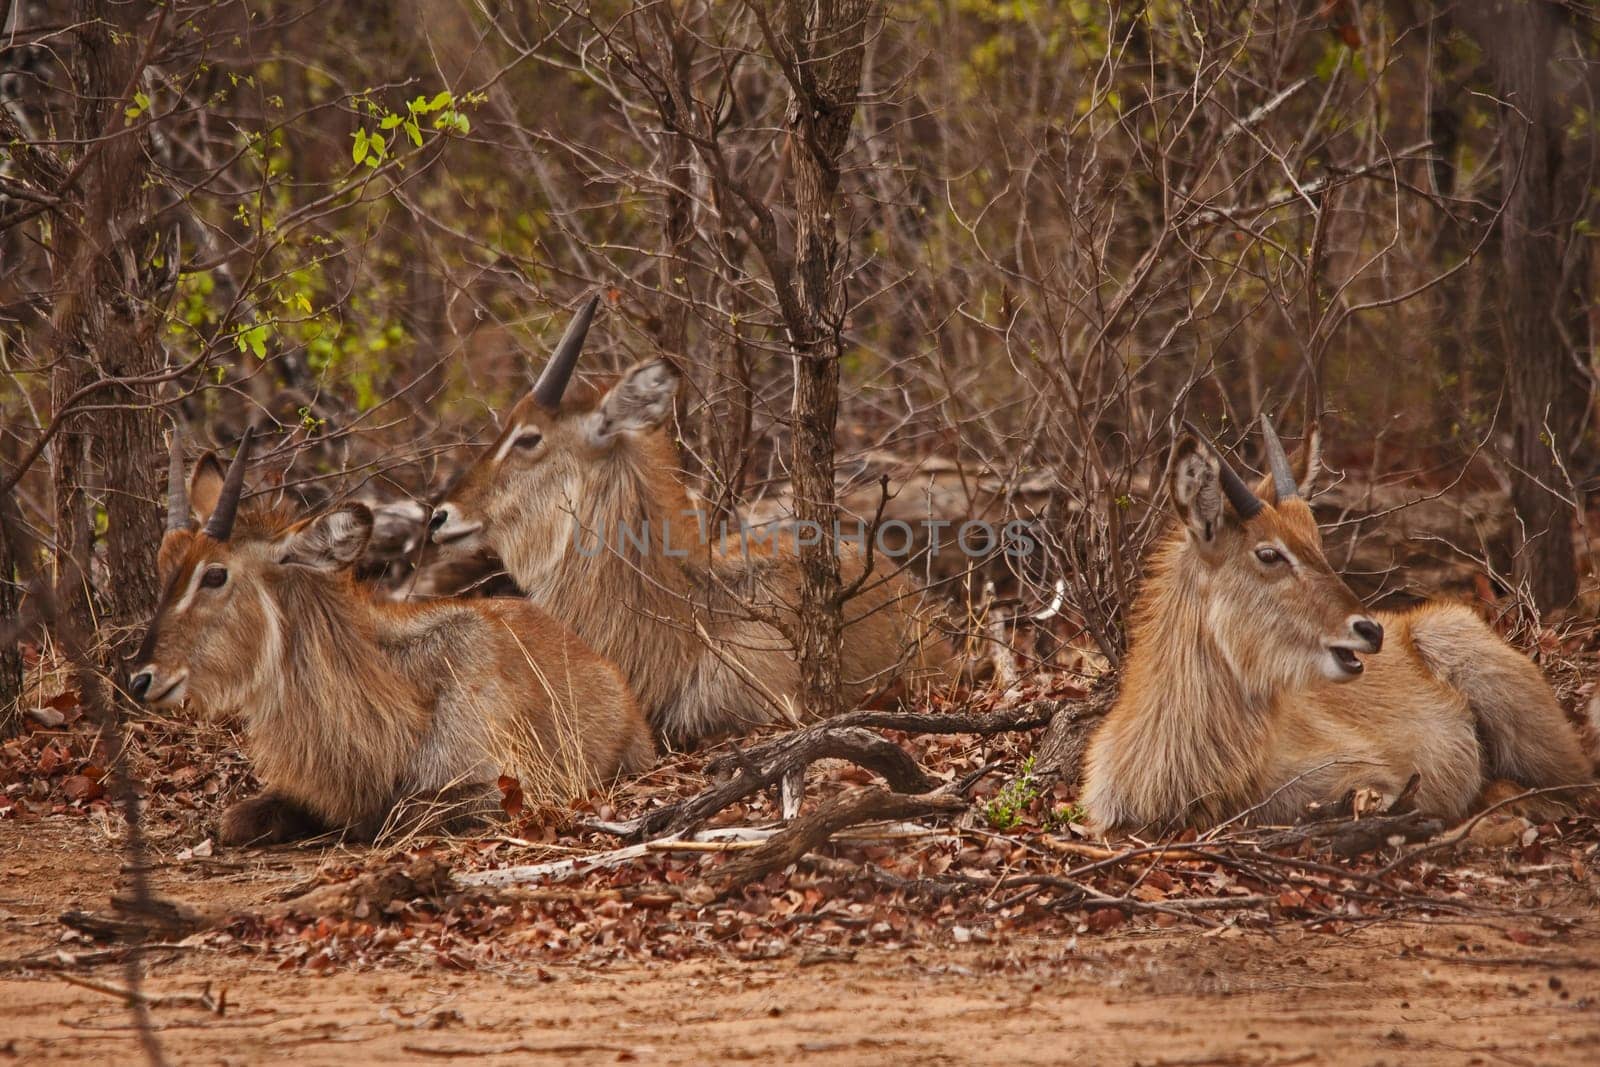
column 1370, row 632
column 440, row 517
column 139, row 685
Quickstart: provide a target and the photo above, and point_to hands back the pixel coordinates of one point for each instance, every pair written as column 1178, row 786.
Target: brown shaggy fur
column 363, row 715
column 565, row 497
column 1233, row 700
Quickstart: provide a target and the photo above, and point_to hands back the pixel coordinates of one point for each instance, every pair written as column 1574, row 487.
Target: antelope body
column 1255, row 682
column 359, row 714
column 580, row 497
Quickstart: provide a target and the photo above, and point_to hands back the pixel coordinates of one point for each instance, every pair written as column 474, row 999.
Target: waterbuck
column 581, row 498
column 1256, row 683
column 363, row 715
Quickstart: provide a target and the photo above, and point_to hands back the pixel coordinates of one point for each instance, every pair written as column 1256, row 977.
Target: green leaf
column 252, row 339
column 140, row 104
column 362, row 145
column 390, row 122
column 414, row 132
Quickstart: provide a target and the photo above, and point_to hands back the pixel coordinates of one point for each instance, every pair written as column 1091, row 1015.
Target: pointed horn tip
column 220, row 526
column 1283, row 478
column 177, row 491
column 553, row 381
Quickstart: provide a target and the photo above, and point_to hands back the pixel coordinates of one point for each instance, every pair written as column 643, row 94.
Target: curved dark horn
column 177, row 491
column 1241, row 496
column 1282, row 473
column 553, row 382
column 219, row 527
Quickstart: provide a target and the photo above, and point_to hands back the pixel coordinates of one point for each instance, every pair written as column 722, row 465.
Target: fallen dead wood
column 847, row 737
column 578, row 866
column 807, row 833
column 1349, row 838
column 701, row 846
column 1098, row 852
column 1066, row 738
column 216, row 1004
column 60, row 959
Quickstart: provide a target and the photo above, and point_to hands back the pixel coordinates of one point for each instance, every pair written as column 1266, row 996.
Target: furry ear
column 641, row 400
column 1307, row 469
column 205, row 486
column 1194, row 480
column 330, row 541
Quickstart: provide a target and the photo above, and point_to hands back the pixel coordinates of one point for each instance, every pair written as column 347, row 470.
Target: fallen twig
column 582, row 865
column 807, row 833
column 60, row 959
column 216, row 1005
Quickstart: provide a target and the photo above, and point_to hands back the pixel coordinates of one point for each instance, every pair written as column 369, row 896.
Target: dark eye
column 528, row 439
column 214, row 577
column 1269, row 556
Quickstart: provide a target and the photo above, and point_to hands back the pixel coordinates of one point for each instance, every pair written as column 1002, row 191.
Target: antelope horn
column 1244, row 500
column 553, row 382
column 177, row 491
column 1282, row 473
column 219, row 527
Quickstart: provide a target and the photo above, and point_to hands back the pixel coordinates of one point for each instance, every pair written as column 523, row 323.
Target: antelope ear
column 1308, row 465
column 205, row 486
column 641, row 400
column 330, row 541
column 1194, row 480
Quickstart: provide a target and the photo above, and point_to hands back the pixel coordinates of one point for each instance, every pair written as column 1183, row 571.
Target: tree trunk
column 10, row 610
column 826, row 44
column 105, row 327
column 1547, row 395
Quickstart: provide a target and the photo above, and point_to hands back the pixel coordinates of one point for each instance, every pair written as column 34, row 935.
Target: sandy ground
column 1393, row 994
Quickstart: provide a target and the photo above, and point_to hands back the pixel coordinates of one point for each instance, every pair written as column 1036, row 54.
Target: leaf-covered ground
column 1005, row 893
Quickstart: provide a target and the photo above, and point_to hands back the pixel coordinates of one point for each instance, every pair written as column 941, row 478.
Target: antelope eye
column 1269, row 556
column 214, row 577
column 528, row 439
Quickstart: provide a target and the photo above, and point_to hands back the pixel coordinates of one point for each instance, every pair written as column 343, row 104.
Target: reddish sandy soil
column 1399, row 993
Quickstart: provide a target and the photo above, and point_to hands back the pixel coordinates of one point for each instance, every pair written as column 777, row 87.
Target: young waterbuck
column 581, row 498
column 362, row 715
column 1256, row 682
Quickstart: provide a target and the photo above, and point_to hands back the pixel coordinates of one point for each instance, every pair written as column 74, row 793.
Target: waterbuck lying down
column 365, row 716
column 581, row 498
column 1256, row 683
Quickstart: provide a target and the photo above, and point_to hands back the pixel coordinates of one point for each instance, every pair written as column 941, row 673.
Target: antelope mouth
column 172, row 693
column 452, row 531
column 1346, row 661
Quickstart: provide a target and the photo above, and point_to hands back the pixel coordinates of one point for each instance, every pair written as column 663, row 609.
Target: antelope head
column 1267, row 595
column 217, row 634
column 518, row 493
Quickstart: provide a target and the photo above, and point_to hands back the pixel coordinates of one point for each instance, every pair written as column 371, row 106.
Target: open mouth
column 1347, row 660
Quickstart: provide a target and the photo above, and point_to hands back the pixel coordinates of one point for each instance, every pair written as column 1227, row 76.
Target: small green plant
column 1065, row 814
column 1005, row 811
